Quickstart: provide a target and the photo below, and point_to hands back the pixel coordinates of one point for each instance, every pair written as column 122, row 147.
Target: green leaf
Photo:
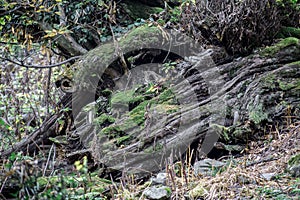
column 4, row 123
column 12, row 156
column 2, row 21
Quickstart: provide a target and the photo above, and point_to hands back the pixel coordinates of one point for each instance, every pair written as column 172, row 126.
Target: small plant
column 269, row 192
column 169, row 66
column 153, row 88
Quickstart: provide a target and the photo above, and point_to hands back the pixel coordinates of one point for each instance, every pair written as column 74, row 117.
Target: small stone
column 205, row 167
column 242, row 179
column 294, row 165
column 197, row 192
column 159, row 193
column 295, row 170
column 268, row 176
column 159, row 179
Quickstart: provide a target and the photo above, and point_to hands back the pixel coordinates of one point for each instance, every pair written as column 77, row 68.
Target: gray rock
column 242, row 179
column 159, row 193
column 295, row 170
column 159, row 179
column 236, row 118
column 268, row 176
column 293, row 166
column 205, row 167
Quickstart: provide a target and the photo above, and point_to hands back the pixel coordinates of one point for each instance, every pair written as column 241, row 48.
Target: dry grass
column 242, row 177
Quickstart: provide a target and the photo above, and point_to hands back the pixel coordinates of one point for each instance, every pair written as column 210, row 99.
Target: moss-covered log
column 141, row 122
column 233, row 102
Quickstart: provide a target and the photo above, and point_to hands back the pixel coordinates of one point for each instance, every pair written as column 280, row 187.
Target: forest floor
column 258, row 173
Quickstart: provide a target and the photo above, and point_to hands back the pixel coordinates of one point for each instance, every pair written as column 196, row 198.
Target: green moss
column 297, row 63
column 106, row 92
column 166, row 108
column 272, row 50
column 294, row 160
column 166, row 95
column 93, row 64
column 257, row 114
column 276, row 82
column 104, row 118
column 42, row 181
column 142, row 36
column 151, row 149
column 269, row 81
column 111, row 131
column 123, row 139
column 133, row 120
column 138, row 10
column 289, row 32
column 122, row 97
column 126, row 97
column 222, row 131
column 169, row 191
column 286, row 86
column 137, row 115
column 241, row 134
column 129, row 124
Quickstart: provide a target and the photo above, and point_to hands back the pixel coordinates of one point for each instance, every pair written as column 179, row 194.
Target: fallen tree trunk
column 200, row 102
column 146, row 116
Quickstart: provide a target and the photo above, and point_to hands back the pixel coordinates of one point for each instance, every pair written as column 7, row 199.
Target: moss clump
column 166, row 108
column 287, row 86
column 142, row 37
column 122, row 140
column 112, row 131
column 290, row 85
column 117, row 134
column 272, row 50
column 297, row 63
column 151, row 149
column 241, row 134
column 94, row 63
column 138, row 10
column 257, row 114
column 138, row 99
column 165, row 96
column 137, row 115
column 129, row 124
column 133, row 120
column 222, row 131
column 269, row 81
column 104, row 118
column 106, row 93
column 289, row 32
column 126, row 97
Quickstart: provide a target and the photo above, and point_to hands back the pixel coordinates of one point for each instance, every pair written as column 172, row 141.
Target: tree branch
column 38, row 66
